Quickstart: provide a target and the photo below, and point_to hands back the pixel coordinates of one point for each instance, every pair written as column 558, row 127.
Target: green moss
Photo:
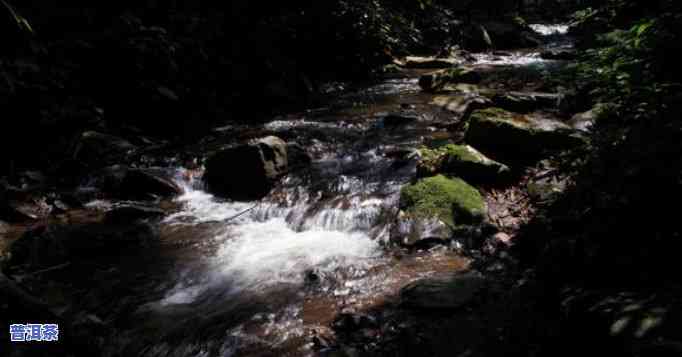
column 461, row 153
column 459, row 160
column 451, row 152
column 453, row 201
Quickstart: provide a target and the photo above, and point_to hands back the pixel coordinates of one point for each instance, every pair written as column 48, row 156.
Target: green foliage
column 614, row 212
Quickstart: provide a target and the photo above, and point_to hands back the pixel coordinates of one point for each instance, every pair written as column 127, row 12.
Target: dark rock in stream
column 445, row 292
column 51, row 245
column 123, row 182
column 247, row 172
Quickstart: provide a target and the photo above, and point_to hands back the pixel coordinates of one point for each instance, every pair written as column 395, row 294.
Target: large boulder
column 506, row 34
column 436, row 81
column 460, row 160
column 444, row 292
column 518, row 138
column 122, row 182
column 511, row 34
column 247, row 172
column 433, row 207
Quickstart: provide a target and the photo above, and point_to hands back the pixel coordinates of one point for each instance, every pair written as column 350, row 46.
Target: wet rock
column 428, row 62
column 123, row 182
column 460, row 160
column 525, row 102
column 47, row 246
column 444, row 292
column 432, row 207
column 419, row 232
column 518, row 138
column 247, row 172
column 563, row 55
column 461, row 105
column 98, row 150
column 131, row 213
column 433, row 82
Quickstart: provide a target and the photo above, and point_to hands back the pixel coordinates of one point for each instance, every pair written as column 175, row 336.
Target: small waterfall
column 277, row 241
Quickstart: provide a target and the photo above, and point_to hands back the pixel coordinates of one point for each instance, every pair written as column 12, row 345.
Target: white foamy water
column 271, row 252
column 272, row 243
column 515, row 59
column 547, row 30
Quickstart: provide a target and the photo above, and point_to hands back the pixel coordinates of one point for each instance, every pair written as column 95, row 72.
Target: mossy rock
column 433, row 82
column 460, row 160
column 518, row 138
column 451, row 200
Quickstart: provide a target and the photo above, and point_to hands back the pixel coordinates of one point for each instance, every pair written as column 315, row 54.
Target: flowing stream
column 262, row 278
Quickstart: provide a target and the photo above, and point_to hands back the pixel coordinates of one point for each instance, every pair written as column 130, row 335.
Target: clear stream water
column 267, row 280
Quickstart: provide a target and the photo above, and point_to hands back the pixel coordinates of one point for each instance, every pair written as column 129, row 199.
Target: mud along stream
column 270, row 277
